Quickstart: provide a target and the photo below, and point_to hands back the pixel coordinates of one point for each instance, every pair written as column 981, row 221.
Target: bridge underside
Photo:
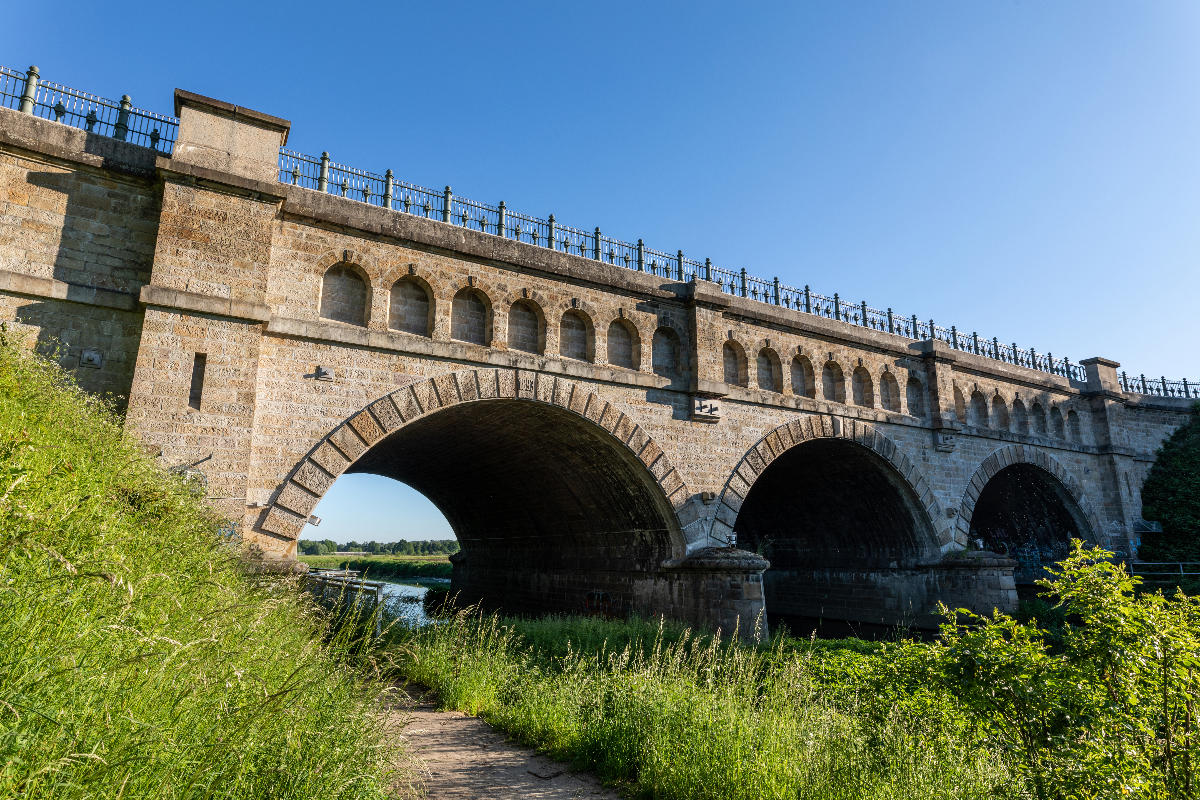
column 552, row 513
column 849, row 544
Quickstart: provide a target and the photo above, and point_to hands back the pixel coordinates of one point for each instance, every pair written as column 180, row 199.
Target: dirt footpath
column 452, row 756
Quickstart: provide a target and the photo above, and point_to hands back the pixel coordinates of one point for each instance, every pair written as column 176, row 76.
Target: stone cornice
column 30, row 286
column 163, row 297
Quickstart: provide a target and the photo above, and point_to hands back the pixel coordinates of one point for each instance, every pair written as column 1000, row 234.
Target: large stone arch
column 1023, row 454
column 785, row 437
column 1033, row 506
column 561, row 501
column 335, row 453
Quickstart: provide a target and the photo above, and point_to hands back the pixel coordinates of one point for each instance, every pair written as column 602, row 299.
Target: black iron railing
column 121, row 120
column 118, row 119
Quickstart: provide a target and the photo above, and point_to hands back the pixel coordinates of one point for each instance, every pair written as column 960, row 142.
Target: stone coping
column 225, row 109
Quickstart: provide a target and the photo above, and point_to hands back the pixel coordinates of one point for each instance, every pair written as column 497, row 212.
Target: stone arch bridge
column 601, row 439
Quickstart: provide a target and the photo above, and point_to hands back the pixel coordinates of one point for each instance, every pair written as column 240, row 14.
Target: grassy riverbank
column 1100, row 701
column 668, row 715
column 138, row 660
column 386, row 567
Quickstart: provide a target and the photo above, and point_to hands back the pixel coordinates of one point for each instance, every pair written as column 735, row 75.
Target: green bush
column 1101, row 702
column 1171, row 496
column 138, row 660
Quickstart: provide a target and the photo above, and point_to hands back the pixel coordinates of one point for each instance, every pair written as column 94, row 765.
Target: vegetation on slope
column 1171, row 495
column 138, row 661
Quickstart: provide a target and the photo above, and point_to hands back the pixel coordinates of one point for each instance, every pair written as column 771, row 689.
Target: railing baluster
column 121, row 129
column 323, row 176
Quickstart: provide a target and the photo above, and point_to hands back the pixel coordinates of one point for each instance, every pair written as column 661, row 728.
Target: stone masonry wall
column 139, row 262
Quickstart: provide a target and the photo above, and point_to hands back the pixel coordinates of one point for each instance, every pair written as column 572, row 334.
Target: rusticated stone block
column 297, row 499
column 348, row 442
column 313, row 478
column 388, row 415
column 406, row 403
column 330, row 459
column 282, row 522
column 468, row 388
column 366, row 427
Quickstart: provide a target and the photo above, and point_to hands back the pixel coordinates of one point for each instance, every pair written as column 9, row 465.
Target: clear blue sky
column 1030, row 170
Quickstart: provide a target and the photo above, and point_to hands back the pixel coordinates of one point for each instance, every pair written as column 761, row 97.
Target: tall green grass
column 667, row 714
column 136, row 659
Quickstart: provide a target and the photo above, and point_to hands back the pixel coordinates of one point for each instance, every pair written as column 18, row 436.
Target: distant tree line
column 429, row 547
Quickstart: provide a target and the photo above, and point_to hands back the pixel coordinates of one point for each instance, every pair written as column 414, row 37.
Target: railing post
column 447, row 204
column 891, row 327
column 916, row 330
column 954, row 336
column 807, row 300
column 837, row 307
column 708, row 269
column 1050, row 363
column 995, row 348
column 975, row 341
column 1186, row 391
column 641, row 256
column 389, row 185
column 679, row 265
column 596, row 244
column 864, row 314
column 775, row 286
column 1144, row 384
column 743, row 274
column 502, row 220
column 323, row 175
column 1163, row 378
column 1032, row 358
column 121, row 129
column 1124, row 381
column 30, row 93
column 345, row 185
column 932, row 329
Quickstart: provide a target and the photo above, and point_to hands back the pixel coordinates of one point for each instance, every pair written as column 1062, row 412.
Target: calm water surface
column 406, row 600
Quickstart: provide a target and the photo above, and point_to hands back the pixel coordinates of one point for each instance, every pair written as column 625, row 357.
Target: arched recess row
column 787, row 436
column 295, row 499
column 1022, row 503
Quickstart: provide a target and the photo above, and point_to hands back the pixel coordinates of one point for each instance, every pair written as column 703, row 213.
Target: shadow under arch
column 850, row 526
column 1023, row 504
column 559, row 500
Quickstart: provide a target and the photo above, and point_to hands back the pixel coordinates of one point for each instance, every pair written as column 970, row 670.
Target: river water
column 407, row 600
